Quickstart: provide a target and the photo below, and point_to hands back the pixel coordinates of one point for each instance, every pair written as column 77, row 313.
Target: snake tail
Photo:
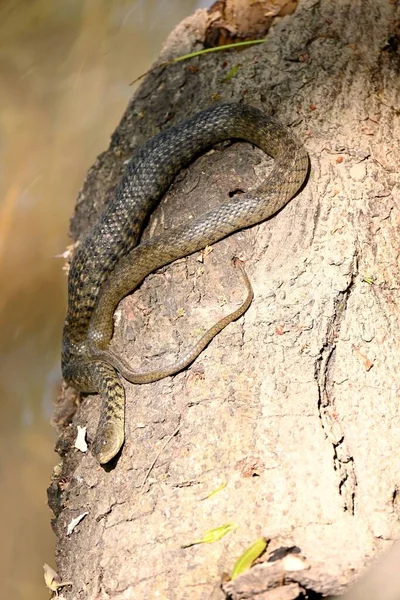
column 108, row 440
column 155, row 375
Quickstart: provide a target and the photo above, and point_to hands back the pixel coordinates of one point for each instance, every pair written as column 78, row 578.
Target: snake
column 112, row 261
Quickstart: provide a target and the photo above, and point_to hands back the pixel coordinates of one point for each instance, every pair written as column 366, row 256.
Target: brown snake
column 109, row 264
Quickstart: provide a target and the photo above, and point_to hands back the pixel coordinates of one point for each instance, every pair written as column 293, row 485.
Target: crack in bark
column 109, row 510
column 316, row 218
column 131, row 586
column 343, row 462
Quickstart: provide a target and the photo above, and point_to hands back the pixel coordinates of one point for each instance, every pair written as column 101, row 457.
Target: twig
column 197, row 53
column 157, row 456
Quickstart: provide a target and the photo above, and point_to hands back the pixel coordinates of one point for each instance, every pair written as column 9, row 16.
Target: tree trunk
column 295, row 406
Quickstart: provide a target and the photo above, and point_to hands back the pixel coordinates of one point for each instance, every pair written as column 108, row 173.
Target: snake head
column 108, row 442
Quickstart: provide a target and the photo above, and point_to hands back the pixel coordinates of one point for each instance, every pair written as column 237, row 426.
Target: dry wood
column 295, row 406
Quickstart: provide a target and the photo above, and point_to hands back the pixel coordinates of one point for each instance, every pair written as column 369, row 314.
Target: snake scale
column 109, row 263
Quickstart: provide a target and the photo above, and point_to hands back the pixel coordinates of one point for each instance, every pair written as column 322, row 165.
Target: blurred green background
column 65, row 67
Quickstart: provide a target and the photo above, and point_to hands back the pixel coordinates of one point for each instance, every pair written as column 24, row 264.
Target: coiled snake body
column 109, row 264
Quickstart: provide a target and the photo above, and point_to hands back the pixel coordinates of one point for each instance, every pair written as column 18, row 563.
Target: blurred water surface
column 64, row 73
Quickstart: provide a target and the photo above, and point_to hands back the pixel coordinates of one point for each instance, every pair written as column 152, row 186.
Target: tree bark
column 295, row 406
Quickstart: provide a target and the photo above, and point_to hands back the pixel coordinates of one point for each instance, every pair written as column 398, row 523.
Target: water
column 64, row 73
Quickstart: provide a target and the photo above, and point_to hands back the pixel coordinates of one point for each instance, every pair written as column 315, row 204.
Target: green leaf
column 369, row 279
column 213, row 535
column 245, row 561
column 216, row 491
column 231, row 73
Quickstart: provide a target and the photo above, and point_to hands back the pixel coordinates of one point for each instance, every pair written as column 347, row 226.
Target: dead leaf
column 75, row 522
column 80, row 442
column 368, row 364
column 294, row 562
column 52, row 579
column 204, row 253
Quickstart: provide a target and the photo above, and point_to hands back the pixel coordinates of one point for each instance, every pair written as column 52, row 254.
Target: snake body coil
column 109, row 264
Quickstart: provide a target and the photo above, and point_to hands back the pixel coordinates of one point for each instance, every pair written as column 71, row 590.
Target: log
column 293, row 409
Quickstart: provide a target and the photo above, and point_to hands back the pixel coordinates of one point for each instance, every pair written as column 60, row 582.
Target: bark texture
column 295, row 406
